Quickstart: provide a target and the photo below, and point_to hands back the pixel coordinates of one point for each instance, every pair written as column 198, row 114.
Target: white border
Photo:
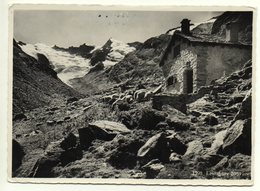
column 41, row 187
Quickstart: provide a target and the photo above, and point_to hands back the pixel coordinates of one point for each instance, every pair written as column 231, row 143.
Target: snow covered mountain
column 69, row 66
column 117, row 52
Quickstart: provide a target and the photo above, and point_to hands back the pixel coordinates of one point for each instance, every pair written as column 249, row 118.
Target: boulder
column 222, row 164
column 240, row 161
column 54, row 109
column 246, row 73
column 39, row 124
column 178, row 125
column 121, row 105
column 50, row 112
column 72, row 99
column 50, row 122
column 66, row 118
column 139, row 95
column 195, row 113
column 211, row 120
column 150, row 118
column 107, row 98
column 157, row 90
column 236, row 99
column 54, row 156
column 155, row 148
column 162, row 125
column 218, row 141
column 128, row 98
column 245, row 86
column 194, row 148
column 20, row 116
column 86, row 136
column 207, row 161
column 69, row 142
column 35, row 132
column 107, row 130
column 60, row 121
column 238, row 138
column 125, row 155
column 174, row 157
column 128, row 120
column 148, row 95
column 245, row 110
column 153, row 168
column 175, row 144
column 17, row 155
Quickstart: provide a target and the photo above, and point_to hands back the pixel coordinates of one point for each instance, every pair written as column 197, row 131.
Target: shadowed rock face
column 34, row 82
column 45, row 66
column 17, row 155
column 60, row 152
column 244, row 19
column 238, row 138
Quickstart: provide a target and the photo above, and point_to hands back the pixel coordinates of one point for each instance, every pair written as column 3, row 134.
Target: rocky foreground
column 140, row 133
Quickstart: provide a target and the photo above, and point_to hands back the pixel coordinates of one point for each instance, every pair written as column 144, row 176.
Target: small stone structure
column 194, row 60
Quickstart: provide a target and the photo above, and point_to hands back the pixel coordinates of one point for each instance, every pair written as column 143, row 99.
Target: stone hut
column 194, row 60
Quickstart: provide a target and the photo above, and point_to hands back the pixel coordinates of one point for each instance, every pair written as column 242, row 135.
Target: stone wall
column 176, row 66
column 224, row 60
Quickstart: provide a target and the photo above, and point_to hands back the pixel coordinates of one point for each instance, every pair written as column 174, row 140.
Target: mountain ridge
column 35, row 83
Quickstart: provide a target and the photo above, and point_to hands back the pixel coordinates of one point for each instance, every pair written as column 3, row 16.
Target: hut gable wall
column 224, row 60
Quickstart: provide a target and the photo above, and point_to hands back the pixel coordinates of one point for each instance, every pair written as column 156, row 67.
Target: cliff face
column 35, row 83
column 244, row 20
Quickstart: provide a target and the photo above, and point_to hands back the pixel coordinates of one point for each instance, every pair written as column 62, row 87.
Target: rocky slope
column 128, row 127
column 137, row 67
column 124, row 136
column 35, row 83
column 66, row 64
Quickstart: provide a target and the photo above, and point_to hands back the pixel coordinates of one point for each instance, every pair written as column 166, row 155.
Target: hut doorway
column 188, row 80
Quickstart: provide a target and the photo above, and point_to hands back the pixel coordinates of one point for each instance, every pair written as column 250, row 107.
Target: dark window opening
column 170, row 81
column 176, row 51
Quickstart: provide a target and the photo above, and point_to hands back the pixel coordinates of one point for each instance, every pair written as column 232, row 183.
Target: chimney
column 232, row 32
column 185, row 26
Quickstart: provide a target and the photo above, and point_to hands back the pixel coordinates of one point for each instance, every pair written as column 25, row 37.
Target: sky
column 73, row 28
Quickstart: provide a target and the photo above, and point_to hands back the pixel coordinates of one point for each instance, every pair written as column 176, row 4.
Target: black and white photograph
column 137, row 95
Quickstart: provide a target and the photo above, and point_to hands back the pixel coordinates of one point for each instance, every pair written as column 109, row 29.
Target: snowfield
column 68, row 66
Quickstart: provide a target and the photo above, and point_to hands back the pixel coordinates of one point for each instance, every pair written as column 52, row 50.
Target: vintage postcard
column 131, row 95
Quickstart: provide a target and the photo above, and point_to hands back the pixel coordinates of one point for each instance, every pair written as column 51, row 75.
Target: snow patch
column 205, row 22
